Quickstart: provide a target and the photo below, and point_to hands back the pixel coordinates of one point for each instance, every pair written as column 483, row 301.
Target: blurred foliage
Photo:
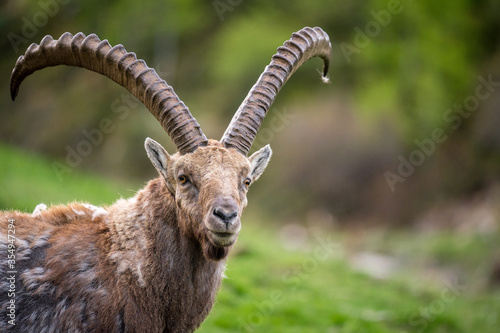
column 397, row 67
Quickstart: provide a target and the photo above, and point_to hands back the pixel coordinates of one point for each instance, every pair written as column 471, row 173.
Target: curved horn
column 122, row 67
column 302, row 46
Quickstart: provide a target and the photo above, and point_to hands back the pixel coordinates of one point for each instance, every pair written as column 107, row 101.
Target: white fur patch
column 223, row 271
column 138, row 272
column 79, row 212
column 39, row 208
column 99, row 213
column 96, row 211
column 90, row 207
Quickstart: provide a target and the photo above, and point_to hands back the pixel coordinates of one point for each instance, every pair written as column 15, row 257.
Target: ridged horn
column 122, row 67
column 302, row 46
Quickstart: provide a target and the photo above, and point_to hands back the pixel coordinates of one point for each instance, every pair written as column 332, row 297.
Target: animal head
column 209, row 179
column 210, row 188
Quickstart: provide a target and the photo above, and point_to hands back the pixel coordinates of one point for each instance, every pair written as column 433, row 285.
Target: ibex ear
column 159, row 157
column 259, row 161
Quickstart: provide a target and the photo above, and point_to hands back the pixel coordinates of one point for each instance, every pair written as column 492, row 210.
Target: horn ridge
column 302, row 46
column 124, row 68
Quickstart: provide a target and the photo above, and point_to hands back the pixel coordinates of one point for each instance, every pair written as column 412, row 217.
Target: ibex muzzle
column 226, row 211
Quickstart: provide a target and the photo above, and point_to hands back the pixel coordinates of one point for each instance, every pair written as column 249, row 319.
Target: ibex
column 154, row 262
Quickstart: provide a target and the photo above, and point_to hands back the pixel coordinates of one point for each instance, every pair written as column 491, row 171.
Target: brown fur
column 145, row 264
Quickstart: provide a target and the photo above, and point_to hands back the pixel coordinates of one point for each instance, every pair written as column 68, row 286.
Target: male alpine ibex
column 154, row 262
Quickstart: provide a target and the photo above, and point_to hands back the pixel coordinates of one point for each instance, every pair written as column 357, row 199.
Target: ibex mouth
column 222, row 239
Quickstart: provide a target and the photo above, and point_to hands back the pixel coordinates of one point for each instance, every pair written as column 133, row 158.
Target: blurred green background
column 396, row 162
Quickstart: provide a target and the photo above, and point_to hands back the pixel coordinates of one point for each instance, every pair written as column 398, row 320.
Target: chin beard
column 215, row 253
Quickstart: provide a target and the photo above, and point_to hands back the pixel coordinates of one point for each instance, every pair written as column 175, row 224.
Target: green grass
column 27, row 180
column 314, row 289
column 270, row 289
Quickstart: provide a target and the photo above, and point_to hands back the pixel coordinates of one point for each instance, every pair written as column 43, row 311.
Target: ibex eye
column 247, row 182
column 183, row 179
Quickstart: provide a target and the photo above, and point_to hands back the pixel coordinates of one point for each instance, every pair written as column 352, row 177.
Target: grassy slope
column 27, row 180
column 270, row 289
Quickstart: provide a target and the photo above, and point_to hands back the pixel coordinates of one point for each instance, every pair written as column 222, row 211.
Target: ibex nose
column 226, row 210
column 225, row 216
